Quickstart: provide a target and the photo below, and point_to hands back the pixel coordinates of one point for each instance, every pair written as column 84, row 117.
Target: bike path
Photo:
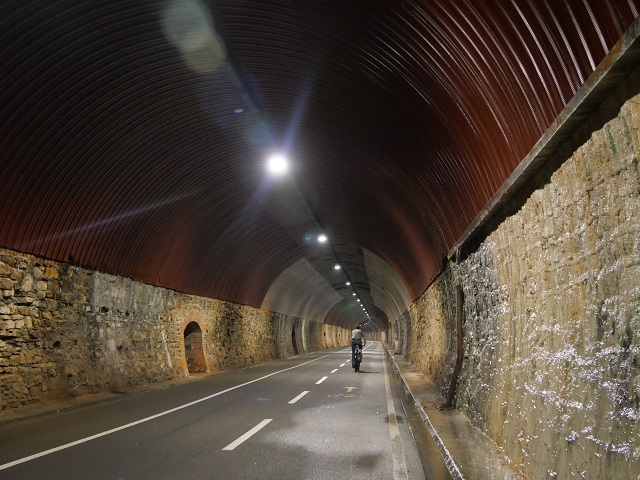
column 243, row 424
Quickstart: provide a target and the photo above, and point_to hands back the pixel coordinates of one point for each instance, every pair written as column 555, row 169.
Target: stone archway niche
column 294, row 341
column 193, row 349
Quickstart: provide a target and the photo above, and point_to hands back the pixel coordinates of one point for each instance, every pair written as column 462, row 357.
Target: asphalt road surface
column 307, row 417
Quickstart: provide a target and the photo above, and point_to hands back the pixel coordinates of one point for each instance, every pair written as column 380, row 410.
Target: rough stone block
column 51, row 272
column 37, row 273
column 26, row 300
column 27, row 283
column 21, row 390
column 16, row 275
column 35, row 394
column 63, row 297
column 9, row 260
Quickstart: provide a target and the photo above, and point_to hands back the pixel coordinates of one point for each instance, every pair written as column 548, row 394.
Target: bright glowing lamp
column 322, row 238
column 278, row 164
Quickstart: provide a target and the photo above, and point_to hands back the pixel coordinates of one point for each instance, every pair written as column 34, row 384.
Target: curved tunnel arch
column 401, row 126
column 300, row 291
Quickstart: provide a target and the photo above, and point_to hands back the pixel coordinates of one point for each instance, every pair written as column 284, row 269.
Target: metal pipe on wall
column 459, row 352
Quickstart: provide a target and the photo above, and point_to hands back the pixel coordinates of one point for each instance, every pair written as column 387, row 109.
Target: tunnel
column 459, row 177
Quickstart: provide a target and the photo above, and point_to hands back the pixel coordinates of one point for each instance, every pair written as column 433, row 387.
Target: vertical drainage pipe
column 459, row 354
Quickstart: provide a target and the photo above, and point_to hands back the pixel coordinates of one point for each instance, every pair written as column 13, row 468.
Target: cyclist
column 357, row 338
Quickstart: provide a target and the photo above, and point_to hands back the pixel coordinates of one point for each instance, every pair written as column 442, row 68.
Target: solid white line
column 137, row 422
column 397, row 451
column 298, row 397
column 334, row 370
column 321, row 380
column 248, row 435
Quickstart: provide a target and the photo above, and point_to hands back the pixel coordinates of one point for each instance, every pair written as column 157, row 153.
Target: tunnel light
column 358, row 300
column 278, row 164
column 349, row 283
column 353, row 294
column 322, row 238
column 337, row 267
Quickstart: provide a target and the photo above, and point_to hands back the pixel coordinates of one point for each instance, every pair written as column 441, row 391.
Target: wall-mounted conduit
column 459, row 352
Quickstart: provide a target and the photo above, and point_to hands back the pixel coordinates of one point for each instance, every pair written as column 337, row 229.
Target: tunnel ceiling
column 134, row 136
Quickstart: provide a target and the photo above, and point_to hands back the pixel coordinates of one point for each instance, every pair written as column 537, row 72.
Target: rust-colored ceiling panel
column 133, row 135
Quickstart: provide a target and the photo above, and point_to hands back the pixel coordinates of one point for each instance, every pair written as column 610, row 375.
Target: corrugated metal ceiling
column 134, row 136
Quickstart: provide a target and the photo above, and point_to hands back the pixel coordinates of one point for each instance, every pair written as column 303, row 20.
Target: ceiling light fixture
column 278, row 164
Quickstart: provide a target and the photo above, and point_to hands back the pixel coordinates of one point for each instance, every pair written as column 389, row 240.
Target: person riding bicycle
column 357, row 338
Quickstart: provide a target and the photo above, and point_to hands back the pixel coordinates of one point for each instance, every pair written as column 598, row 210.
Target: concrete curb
column 446, row 455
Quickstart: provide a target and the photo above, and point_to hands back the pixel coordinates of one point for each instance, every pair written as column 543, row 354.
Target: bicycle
column 357, row 358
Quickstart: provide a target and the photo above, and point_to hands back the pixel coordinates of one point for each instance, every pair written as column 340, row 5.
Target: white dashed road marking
column 248, row 435
column 299, row 397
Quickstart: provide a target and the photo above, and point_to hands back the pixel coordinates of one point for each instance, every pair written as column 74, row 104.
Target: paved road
column 308, row 417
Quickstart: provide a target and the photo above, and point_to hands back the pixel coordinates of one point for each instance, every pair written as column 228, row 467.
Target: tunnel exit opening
column 293, row 341
column 193, row 349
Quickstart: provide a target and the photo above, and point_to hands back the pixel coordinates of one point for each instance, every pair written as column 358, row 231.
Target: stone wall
column 66, row 331
column 552, row 310
column 307, row 334
column 400, row 332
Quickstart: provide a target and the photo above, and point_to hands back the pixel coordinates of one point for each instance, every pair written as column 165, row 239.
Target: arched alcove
column 193, row 349
column 294, row 342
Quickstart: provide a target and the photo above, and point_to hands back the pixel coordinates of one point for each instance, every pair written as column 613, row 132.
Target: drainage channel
column 433, row 464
